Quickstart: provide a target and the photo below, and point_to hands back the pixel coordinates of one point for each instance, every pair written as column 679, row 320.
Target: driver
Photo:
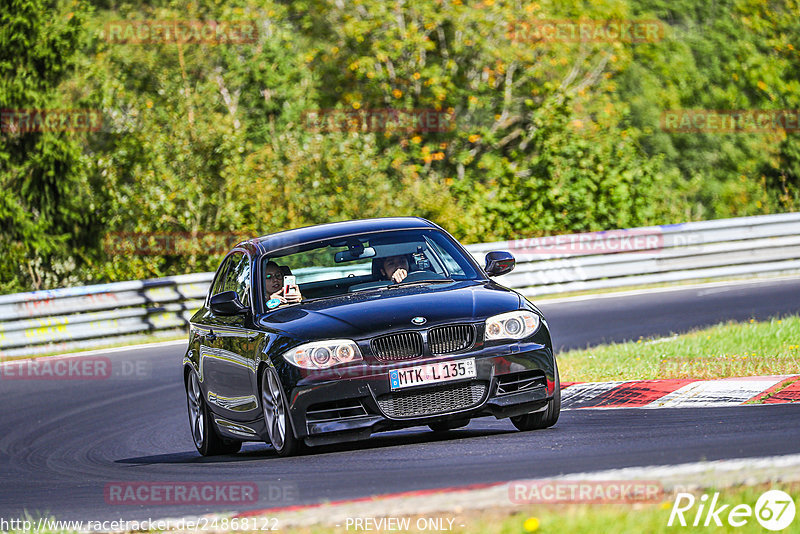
column 273, row 285
column 395, row 268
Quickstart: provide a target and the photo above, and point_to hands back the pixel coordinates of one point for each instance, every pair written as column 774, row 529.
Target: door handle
column 211, row 336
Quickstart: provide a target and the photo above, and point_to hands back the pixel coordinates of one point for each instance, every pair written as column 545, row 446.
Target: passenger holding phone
column 279, row 286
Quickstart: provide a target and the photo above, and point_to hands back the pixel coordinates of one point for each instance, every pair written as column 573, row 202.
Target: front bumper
column 512, row 379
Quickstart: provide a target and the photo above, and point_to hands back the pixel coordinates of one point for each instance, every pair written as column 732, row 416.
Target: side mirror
column 227, row 303
column 498, row 263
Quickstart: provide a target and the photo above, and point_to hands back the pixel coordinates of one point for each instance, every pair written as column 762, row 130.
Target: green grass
column 586, row 518
column 570, row 518
column 611, row 519
column 725, row 350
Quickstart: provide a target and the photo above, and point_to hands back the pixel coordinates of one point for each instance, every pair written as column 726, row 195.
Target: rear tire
column 545, row 418
column 276, row 415
column 204, row 431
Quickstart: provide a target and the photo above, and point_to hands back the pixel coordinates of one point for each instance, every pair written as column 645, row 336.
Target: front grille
column 431, row 401
column 398, row 347
column 451, row 338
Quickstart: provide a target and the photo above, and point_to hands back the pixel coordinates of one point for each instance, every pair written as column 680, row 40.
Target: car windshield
column 364, row 262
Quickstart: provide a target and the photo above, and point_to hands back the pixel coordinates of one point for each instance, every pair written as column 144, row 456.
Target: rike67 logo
column 774, row 510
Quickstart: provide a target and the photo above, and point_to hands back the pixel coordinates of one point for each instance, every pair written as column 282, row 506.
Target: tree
column 46, row 203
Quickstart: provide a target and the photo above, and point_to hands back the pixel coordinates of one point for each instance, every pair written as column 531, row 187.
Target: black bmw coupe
column 332, row 332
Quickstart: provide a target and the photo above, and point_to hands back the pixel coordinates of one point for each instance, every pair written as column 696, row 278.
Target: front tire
column 204, row 432
column 276, row 415
column 545, row 418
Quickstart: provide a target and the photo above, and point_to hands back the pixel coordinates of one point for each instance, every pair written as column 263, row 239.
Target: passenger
column 395, row 268
column 273, row 284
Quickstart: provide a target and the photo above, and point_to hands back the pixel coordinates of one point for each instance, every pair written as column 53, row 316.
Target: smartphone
column 288, row 284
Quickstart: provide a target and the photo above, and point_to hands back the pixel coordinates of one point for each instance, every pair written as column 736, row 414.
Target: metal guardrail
column 82, row 317
column 765, row 244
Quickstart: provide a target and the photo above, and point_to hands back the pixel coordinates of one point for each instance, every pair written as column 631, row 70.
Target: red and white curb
column 681, row 393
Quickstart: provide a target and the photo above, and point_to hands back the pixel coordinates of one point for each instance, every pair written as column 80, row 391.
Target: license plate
column 432, row 373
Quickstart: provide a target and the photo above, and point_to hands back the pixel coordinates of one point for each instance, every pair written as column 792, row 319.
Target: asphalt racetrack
column 64, row 442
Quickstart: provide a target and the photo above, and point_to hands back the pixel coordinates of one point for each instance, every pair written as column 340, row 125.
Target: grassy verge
column 583, row 518
column 725, row 350
column 610, row 519
column 562, row 518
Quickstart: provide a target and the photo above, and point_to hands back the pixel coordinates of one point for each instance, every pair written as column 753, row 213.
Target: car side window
column 238, row 277
column 243, row 280
column 219, row 281
column 453, row 268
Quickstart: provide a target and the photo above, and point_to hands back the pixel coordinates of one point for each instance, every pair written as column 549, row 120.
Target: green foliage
column 541, row 137
column 731, row 55
column 46, row 201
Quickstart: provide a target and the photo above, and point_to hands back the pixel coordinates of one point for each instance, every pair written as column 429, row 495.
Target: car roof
column 320, row 232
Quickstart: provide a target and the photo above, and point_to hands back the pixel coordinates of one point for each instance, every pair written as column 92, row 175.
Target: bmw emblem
column 419, row 320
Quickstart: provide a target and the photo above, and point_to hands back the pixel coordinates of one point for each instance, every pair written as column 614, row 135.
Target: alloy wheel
column 196, row 420
column 274, row 410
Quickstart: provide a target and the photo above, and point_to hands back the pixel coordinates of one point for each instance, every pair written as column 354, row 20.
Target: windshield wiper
column 435, row 281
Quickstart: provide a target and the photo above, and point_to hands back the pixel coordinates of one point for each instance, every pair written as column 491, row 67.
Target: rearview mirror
column 499, row 262
column 354, row 254
column 227, row 303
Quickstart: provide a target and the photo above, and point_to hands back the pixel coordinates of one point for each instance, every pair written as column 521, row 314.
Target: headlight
column 323, row 354
column 511, row 325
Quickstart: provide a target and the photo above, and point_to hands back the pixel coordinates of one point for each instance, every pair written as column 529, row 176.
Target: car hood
column 357, row 315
